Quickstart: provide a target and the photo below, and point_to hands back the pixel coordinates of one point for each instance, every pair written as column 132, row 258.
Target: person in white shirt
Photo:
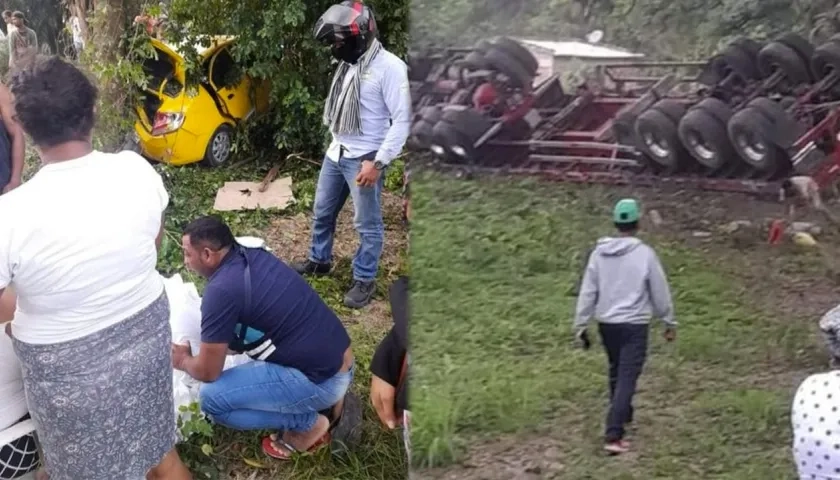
column 20, row 455
column 78, row 244
column 815, row 418
column 368, row 112
column 7, row 18
column 76, row 30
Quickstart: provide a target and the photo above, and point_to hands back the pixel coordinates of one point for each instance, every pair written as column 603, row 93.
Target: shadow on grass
column 493, row 261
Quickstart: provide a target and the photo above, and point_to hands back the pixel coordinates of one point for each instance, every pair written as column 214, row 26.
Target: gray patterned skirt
column 103, row 404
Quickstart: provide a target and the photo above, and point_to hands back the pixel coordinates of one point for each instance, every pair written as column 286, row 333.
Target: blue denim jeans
column 266, row 396
column 336, row 182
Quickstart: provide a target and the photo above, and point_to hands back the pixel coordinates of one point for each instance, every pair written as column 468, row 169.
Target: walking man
column 368, row 112
column 623, row 286
column 23, row 42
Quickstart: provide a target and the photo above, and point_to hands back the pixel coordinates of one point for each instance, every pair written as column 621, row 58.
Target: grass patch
column 493, row 262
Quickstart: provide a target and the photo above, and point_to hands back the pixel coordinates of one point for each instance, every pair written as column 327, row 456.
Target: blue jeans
column 266, row 396
column 336, row 182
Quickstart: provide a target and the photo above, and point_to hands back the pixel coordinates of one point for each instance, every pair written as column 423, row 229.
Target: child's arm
column 588, row 295
column 660, row 292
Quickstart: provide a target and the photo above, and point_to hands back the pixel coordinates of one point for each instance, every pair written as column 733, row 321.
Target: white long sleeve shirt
column 385, row 100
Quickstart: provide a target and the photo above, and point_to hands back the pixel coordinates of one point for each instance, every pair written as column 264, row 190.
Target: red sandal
column 273, row 452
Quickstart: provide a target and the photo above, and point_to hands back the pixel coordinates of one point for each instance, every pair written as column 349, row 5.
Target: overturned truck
column 741, row 121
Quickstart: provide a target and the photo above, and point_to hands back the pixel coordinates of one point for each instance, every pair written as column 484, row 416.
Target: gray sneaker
column 360, row 294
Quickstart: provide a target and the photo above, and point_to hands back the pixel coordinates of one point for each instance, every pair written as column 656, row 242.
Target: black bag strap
column 239, row 339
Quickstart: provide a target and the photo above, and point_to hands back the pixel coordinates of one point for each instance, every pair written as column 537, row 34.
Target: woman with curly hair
column 78, row 244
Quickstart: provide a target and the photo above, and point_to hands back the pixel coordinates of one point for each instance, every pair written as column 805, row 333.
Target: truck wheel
column 219, row 147
column 452, row 146
column 475, row 61
column 421, row 131
column 509, row 66
column 748, row 46
column 786, row 129
column 778, row 57
column 457, row 132
column 658, row 137
column 431, row 114
column 671, row 108
column 519, row 52
column 799, row 44
column 751, row 134
column 738, row 60
column 826, row 60
column 705, row 137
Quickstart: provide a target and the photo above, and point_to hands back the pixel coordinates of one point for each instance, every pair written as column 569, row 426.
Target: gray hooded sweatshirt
column 624, row 283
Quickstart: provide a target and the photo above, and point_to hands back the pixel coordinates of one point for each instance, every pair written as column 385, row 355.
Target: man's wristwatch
column 379, row 165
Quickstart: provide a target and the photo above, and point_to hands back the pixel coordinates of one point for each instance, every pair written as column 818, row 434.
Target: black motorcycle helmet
column 348, row 28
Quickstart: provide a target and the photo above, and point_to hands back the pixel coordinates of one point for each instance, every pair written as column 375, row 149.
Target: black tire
column 509, row 66
column 483, row 46
column 475, row 61
column 419, row 67
column 457, row 149
column 671, row 108
column 624, row 129
column 826, row 60
column 751, row 134
column 219, row 148
column 658, row 138
column 519, row 52
column 705, row 137
column 431, row 114
column 715, row 107
column 778, row 57
column 421, row 131
column 787, row 129
column 738, row 60
column 749, row 46
column 799, row 44
column 467, row 121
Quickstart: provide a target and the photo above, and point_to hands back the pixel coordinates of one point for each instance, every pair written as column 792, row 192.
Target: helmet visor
column 340, row 16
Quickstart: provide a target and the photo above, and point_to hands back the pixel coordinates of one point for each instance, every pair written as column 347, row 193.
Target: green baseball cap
column 626, row 211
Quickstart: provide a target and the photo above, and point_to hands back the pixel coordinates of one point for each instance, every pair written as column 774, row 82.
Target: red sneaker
column 617, row 447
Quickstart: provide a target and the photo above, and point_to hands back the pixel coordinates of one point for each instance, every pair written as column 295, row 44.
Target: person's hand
column 180, row 353
column 670, row 334
column 383, row 396
column 368, row 175
column 582, row 336
column 13, row 184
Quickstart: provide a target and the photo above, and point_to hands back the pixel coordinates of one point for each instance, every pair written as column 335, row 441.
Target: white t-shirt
column 77, row 242
column 816, row 427
column 12, row 396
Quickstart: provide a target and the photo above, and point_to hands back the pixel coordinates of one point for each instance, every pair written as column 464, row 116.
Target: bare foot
column 302, row 441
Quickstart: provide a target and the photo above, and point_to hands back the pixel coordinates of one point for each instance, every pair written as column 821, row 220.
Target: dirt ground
column 289, row 238
column 777, row 281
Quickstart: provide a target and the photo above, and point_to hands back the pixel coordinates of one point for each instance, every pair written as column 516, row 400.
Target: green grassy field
column 493, row 264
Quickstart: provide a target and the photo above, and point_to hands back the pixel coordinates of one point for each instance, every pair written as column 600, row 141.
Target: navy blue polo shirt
column 287, row 324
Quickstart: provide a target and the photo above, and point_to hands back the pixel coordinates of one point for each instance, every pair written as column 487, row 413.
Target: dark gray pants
column 626, row 347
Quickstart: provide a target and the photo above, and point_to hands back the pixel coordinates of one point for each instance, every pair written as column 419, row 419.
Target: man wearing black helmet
column 368, row 111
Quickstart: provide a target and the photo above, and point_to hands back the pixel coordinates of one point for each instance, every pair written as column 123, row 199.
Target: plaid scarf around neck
column 342, row 112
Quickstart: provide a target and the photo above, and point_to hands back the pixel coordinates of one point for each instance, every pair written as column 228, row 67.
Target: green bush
column 275, row 42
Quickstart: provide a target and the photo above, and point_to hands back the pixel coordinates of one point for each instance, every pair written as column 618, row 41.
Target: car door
column 232, row 88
